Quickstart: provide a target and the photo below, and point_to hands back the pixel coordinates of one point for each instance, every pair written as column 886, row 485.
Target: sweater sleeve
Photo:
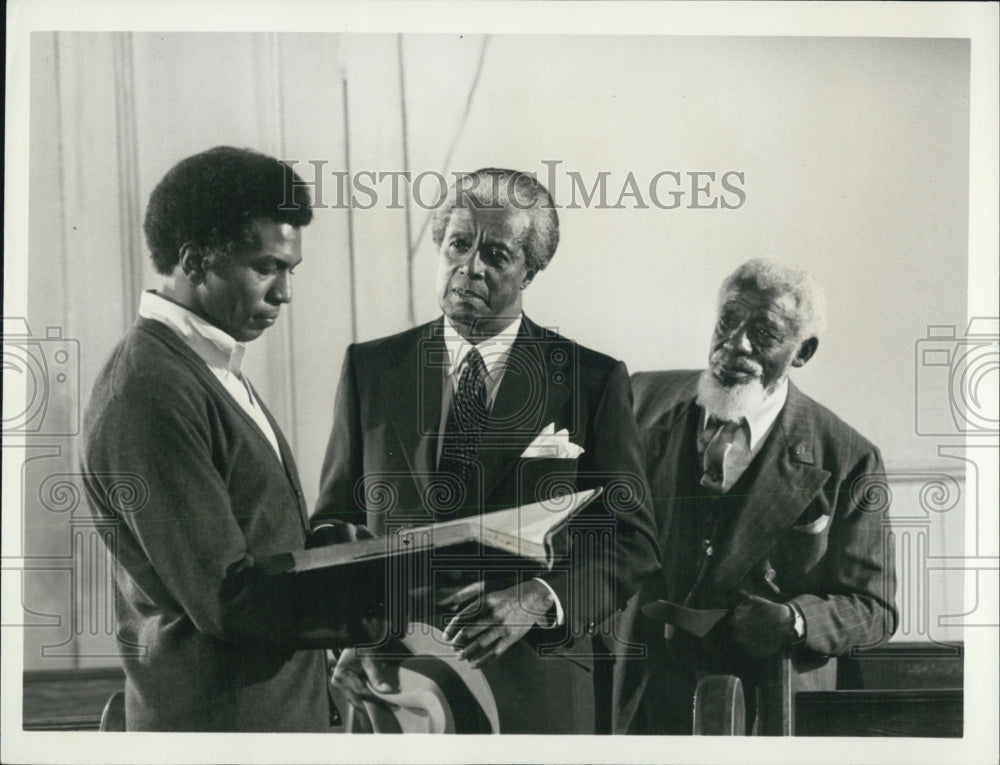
column 188, row 537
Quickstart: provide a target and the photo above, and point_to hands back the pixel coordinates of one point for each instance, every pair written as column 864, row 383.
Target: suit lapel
column 785, row 482
column 420, row 369
column 533, row 393
column 669, row 440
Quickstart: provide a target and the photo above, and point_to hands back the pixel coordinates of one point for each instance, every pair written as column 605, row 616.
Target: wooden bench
column 68, row 699
column 900, row 689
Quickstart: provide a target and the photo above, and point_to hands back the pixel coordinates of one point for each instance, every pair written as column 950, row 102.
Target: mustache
column 748, row 366
column 462, row 284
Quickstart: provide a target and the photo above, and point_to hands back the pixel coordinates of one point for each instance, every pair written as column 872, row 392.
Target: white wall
column 855, row 161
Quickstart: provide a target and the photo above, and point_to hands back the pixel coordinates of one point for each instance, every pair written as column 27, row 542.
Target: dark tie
column 716, row 441
column 464, row 428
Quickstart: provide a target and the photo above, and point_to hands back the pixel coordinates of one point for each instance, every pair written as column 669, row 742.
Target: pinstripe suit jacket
column 811, row 529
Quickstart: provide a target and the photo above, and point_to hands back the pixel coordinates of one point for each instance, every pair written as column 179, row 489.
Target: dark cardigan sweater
column 210, row 496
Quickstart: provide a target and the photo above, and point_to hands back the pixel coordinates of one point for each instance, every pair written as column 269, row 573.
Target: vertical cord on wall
column 411, row 311
column 277, row 66
column 128, row 174
column 63, row 258
column 446, row 165
column 350, row 211
column 63, row 243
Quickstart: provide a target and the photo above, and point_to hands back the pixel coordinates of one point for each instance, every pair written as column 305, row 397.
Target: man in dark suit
column 768, row 506
column 185, row 458
column 481, row 410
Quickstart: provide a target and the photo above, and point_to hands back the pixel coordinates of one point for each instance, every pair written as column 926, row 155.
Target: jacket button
column 591, row 628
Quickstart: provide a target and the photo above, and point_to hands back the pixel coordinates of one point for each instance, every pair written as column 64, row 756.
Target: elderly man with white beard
column 769, row 507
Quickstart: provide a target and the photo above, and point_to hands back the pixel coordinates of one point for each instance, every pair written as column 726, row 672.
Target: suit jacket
column 203, row 651
column 380, row 466
column 810, row 528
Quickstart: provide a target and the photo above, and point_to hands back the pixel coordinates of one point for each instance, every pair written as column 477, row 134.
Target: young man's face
column 244, row 293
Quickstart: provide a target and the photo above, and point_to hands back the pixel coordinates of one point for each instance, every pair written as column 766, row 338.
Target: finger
column 353, row 697
column 463, row 594
column 421, row 593
column 750, row 598
column 468, row 615
column 382, row 674
column 462, row 631
column 349, row 682
column 469, row 633
column 496, row 651
column 482, row 647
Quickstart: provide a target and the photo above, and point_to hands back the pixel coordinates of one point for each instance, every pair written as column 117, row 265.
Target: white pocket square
column 815, row 527
column 553, row 444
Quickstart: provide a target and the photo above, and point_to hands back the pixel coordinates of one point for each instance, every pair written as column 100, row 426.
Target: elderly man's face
column 482, row 269
column 755, row 338
column 244, row 294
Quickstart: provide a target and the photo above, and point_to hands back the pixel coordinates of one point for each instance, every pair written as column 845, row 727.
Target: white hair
column 730, row 402
column 809, row 313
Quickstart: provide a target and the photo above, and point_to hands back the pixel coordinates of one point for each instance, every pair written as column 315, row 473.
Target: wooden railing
column 68, row 699
column 926, row 713
column 895, row 690
column 899, row 689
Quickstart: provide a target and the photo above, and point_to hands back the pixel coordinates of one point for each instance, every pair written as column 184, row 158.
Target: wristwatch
column 798, row 623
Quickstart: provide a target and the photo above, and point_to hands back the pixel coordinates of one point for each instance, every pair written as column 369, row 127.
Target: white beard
column 729, row 403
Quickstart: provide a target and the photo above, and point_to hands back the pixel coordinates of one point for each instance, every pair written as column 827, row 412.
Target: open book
column 525, row 533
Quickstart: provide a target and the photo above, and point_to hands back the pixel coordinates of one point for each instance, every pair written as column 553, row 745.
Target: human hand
column 762, row 627
column 491, row 622
column 359, row 668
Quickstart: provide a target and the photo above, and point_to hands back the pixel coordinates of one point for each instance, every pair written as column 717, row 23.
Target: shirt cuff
column 799, row 622
column 560, row 619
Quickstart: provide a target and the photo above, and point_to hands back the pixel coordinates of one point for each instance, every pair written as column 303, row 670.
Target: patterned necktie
column 464, row 429
column 716, row 441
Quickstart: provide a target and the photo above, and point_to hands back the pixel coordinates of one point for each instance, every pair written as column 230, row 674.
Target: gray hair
column 809, row 316
column 498, row 188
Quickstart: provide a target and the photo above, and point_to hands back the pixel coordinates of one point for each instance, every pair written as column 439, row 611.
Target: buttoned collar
column 494, row 350
column 216, row 348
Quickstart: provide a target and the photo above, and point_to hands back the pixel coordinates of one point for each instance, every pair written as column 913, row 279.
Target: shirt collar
column 215, row 347
column 494, row 350
column 760, row 422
